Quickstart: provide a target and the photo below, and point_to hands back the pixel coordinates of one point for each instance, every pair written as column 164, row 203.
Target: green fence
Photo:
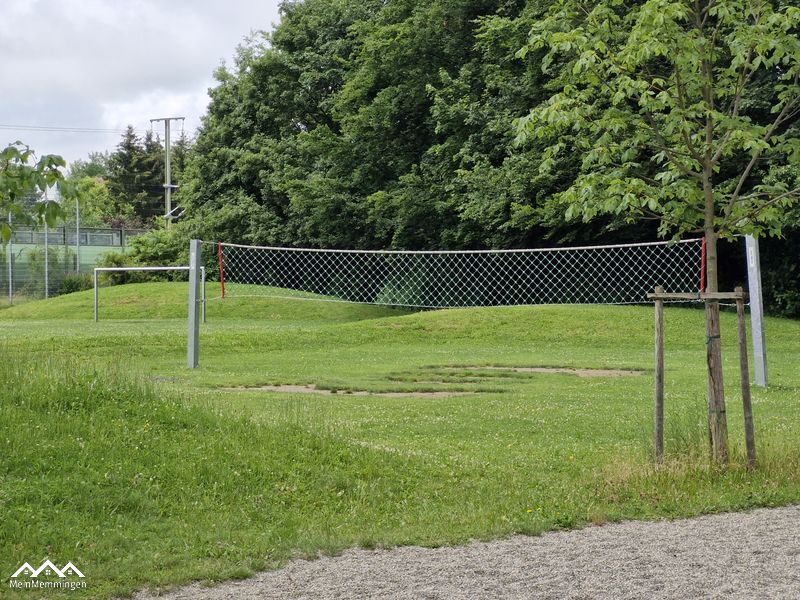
column 41, row 263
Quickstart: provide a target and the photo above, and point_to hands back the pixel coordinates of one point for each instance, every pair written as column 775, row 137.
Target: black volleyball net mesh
column 617, row 274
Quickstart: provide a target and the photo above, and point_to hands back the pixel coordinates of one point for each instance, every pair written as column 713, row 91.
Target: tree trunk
column 717, row 421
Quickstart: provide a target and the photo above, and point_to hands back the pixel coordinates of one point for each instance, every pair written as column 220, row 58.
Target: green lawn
column 141, row 472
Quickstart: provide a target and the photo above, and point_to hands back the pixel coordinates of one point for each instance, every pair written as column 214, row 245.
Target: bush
column 161, row 247
column 117, row 259
column 29, row 270
column 75, row 282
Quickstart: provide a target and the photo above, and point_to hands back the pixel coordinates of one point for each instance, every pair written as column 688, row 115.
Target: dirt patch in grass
column 312, row 389
column 565, row 370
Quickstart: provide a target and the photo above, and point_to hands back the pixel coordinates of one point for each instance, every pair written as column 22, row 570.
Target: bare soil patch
column 312, row 389
column 565, row 370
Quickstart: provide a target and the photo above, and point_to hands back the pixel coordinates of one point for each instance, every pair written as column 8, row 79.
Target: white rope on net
column 616, row 274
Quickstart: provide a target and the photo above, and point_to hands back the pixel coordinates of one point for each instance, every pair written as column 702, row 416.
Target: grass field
column 143, row 473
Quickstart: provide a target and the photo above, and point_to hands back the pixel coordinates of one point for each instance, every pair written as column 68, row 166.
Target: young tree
column 95, row 165
column 685, row 112
column 97, row 208
column 23, row 183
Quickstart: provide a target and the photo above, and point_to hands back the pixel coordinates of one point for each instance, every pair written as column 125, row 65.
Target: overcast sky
column 105, row 64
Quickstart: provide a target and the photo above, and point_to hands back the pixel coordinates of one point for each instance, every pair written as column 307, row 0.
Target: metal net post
column 195, row 301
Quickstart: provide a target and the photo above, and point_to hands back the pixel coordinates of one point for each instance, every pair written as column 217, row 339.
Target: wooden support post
column 744, row 367
column 659, row 391
column 717, row 420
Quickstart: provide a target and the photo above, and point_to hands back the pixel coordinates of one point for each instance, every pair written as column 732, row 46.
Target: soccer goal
column 187, row 268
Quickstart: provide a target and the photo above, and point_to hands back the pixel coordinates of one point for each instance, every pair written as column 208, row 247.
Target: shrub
column 117, row 259
column 75, row 282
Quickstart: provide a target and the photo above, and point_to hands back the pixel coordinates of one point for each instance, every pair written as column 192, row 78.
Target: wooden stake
column 659, row 392
column 717, row 420
column 749, row 433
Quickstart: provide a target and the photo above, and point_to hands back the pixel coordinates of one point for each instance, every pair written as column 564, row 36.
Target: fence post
column 659, row 391
column 195, row 291
column 46, row 261
column 10, row 264
column 77, row 235
column 747, row 407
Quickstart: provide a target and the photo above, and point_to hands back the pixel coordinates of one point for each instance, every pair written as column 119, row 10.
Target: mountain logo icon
column 47, row 569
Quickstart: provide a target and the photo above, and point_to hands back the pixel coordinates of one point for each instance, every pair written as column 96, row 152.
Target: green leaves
column 23, row 184
column 665, row 99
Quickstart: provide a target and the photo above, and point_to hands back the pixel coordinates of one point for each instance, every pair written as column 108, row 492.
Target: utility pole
column 168, row 187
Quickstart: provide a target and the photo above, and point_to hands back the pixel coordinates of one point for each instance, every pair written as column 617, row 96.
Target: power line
column 64, row 129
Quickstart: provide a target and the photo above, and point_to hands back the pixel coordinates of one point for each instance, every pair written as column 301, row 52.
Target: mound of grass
column 168, row 300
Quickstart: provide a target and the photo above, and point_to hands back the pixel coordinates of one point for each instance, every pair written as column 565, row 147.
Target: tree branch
column 746, row 173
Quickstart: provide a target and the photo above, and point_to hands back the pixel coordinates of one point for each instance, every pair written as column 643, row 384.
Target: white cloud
column 156, row 104
column 108, row 63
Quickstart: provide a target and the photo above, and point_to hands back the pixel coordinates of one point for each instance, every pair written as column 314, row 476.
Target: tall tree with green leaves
column 684, row 112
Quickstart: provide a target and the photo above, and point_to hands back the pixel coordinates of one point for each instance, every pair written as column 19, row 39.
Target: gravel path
column 735, row 555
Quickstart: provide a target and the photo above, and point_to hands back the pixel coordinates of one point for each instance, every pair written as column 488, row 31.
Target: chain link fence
column 618, row 274
column 36, row 262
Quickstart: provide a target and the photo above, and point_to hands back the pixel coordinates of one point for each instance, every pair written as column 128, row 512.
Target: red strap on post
column 703, row 266
column 222, row 267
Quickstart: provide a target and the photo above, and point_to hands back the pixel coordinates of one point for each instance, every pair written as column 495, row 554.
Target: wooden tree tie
column 705, row 296
column 659, row 297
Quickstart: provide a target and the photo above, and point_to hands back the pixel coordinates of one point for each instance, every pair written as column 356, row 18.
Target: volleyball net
column 611, row 274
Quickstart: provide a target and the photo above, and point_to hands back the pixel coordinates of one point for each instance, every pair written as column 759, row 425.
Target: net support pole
column 221, row 259
column 756, row 310
column 195, row 303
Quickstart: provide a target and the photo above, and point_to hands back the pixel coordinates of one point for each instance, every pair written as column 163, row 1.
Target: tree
column 23, row 183
column 136, row 179
column 684, row 112
column 96, row 165
column 97, row 207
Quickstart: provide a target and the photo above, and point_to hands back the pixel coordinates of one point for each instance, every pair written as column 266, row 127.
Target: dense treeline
column 381, row 124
